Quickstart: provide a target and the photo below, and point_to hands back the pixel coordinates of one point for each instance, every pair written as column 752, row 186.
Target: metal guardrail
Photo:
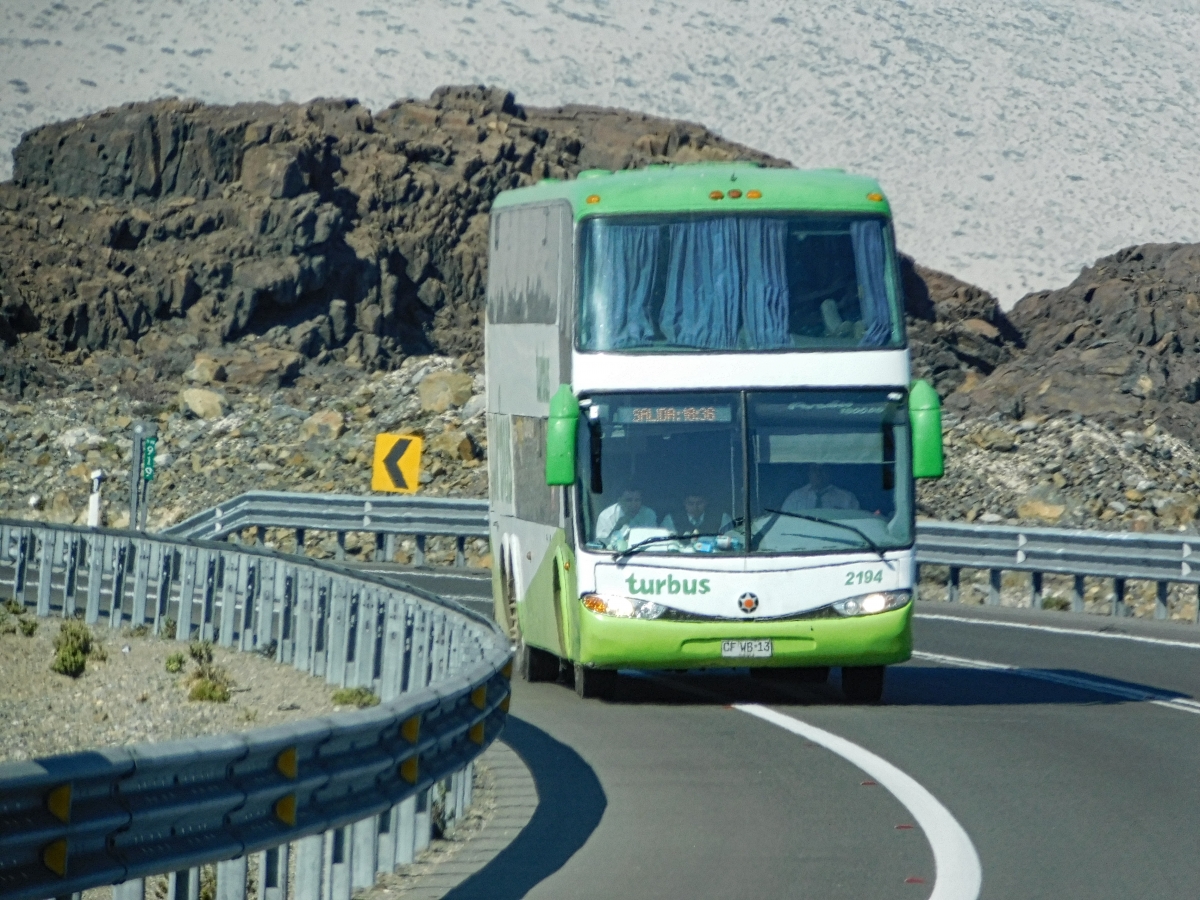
column 351, row 789
column 385, row 517
column 1120, row 556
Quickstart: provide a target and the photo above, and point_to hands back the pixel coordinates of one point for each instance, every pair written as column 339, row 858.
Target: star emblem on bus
column 748, row 602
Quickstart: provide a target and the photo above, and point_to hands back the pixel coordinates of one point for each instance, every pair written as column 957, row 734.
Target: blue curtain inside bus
column 867, row 237
column 729, row 282
column 624, row 272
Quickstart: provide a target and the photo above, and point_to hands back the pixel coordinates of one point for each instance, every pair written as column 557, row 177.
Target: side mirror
column 925, row 414
column 560, row 437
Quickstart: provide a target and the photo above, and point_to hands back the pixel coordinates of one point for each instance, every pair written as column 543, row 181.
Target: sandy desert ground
column 1018, row 139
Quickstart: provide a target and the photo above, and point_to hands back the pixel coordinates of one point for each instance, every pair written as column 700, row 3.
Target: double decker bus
column 702, row 435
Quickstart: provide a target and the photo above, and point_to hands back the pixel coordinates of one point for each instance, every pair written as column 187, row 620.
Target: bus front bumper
column 610, row 642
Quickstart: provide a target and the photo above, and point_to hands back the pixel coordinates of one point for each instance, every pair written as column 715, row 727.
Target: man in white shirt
column 626, row 513
column 819, row 493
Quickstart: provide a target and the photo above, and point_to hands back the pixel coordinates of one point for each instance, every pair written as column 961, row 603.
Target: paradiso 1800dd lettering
column 668, row 585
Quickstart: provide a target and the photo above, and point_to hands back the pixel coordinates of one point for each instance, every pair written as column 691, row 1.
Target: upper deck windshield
column 738, row 283
column 783, row 472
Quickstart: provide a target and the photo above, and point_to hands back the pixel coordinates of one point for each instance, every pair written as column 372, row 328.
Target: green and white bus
column 702, row 435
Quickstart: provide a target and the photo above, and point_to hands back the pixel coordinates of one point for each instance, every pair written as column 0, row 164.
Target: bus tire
column 862, row 684
column 534, row 664
column 600, row 684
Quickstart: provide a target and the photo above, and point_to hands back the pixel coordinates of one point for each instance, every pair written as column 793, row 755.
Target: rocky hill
column 276, row 284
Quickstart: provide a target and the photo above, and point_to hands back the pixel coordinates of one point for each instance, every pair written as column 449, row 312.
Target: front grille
column 678, row 615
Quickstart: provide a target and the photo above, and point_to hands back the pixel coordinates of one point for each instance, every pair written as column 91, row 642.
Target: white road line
column 959, row 875
column 1125, row 692
column 1052, row 629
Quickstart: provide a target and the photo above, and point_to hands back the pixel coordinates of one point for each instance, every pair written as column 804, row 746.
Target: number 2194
column 864, row 576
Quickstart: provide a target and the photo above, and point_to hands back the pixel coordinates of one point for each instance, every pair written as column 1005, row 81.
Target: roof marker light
column 754, row 195
column 716, row 195
column 875, row 198
column 593, row 198
column 734, row 194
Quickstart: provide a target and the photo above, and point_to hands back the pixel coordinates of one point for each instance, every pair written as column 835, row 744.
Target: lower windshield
column 663, row 472
column 830, row 470
column 737, row 472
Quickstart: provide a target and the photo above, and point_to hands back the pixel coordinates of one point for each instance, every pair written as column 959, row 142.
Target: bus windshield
column 738, row 283
column 737, row 472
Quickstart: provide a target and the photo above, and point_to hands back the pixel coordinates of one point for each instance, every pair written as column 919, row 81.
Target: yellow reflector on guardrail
column 55, row 858
column 409, row 769
column 411, row 729
column 479, row 697
column 476, row 733
column 286, row 763
column 285, row 809
column 58, row 801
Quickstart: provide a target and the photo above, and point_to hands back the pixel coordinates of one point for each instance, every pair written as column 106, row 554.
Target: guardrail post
column 363, row 858
column 231, row 879
column 389, row 547
column 423, row 824
column 419, row 553
column 135, row 889
column 1118, row 607
column 460, row 555
column 184, row 885
column 1077, row 594
column 406, row 831
column 94, row 545
column 273, row 873
column 1035, row 590
column 952, row 589
column 993, row 598
column 46, row 542
column 300, row 542
column 377, row 555
column 340, row 554
column 260, row 535
column 385, row 843
column 310, row 864
column 337, row 865
column 1160, row 601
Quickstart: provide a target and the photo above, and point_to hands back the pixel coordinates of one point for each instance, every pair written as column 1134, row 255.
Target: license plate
column 760, row 649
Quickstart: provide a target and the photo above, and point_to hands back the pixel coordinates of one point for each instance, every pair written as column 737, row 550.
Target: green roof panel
column 690, row 188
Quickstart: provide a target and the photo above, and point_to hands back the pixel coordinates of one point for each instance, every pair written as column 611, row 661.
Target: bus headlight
column 870, row 604
column 622, row 607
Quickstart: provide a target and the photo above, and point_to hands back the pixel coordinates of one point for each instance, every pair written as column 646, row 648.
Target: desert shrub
column 72, row 645
column 139, row 630
column 8, row 625
column 175, row 663
column 29, row 627
column 208, row 691
column 168, row 627
column 201, row 652
column 1062, row 604
column 70, row 660
column 16, row 607
column 359, row 696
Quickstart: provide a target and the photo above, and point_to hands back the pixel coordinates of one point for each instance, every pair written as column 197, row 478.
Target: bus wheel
column 598, row 683
column 862, row 684
column 533, row 664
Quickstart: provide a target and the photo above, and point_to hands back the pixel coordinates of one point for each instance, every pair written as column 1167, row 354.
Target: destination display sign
column 670, row 415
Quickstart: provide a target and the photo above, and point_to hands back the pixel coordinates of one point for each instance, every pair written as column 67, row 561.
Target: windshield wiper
column 645, row 542
column 870, row 543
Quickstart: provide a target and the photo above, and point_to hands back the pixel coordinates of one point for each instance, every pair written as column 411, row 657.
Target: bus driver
column 819, row 493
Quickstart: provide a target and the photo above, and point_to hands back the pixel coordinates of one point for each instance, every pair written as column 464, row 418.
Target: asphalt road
column 1073, row 774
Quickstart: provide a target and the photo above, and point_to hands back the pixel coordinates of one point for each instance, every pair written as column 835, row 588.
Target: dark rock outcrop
column 335, row 232
column 1119, row 345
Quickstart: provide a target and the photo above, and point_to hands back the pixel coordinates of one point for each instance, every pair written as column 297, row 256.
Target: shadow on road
column 913, row 684
column 570, row 804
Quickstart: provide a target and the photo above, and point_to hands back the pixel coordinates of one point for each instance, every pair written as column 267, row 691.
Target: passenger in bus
column 819, row 493
column 695, row 517
column 626, row 513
